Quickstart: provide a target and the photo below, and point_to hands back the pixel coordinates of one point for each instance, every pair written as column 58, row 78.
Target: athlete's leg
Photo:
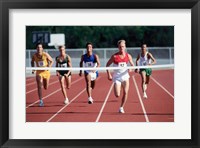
column 39, row 80
column 125, row 86
column 143, row 76
column 68, row 81
column 93, row 84
column 117, row 88
column 89, row 88
column 88, row 85
column 62, row 84
column 46, row 83
column 147, row 79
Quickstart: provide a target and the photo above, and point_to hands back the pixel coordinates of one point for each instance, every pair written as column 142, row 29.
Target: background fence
column 163, row 55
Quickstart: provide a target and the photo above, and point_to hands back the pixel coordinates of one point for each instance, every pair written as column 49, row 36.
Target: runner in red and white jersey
column 120, row 76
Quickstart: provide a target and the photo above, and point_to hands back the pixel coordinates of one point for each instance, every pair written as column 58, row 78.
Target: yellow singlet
column 42, row 62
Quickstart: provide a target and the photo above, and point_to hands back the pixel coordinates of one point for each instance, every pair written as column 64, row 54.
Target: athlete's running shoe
column 66, row 101
column 41, row 103
column 90, row 100
column 145, row 95
column 121, row 110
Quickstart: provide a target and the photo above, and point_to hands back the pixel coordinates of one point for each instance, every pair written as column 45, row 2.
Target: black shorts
column 63, row 72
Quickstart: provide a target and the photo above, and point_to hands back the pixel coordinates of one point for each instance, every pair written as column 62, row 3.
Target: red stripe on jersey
column 118, row 59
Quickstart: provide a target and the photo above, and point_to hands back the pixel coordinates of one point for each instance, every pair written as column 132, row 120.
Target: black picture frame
column 5, row 5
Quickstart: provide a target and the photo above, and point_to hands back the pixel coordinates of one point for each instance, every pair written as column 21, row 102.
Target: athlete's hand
column 80, row 74
column 66, row 75
column 33, row 71
column 110, row 77
column 57, row 74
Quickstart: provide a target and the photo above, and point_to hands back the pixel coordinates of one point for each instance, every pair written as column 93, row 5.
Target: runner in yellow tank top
column 41, row 59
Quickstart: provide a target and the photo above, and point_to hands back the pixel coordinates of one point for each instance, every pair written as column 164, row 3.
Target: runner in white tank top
column 144, row 59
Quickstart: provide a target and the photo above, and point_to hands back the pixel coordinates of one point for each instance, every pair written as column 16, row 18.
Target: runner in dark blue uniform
column 90, row 60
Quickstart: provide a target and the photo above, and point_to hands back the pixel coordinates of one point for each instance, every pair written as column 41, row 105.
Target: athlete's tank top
column 119, row 62
column 89, row 61
column 143, row 61
column 41, row 61
column 62, row 63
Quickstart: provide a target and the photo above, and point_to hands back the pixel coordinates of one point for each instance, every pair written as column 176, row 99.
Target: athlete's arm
column 130, row 61
column 57, row 73
column 50, row 60
column 98, row 61
column 152, row 58
column 110, row 61
column 136, row 62
column 32, row 63
column 69, row 63
column 81, row 65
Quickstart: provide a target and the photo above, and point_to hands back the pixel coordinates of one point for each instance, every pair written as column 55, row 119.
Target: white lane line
column 162, row 87
column 65, row 106
column 52, row 93
column 98, row 117
column 141, row 102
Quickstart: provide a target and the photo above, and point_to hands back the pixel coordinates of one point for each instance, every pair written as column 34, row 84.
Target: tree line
column 107, row 36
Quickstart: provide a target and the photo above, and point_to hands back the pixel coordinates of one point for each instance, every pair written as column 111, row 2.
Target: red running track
column 158, row 107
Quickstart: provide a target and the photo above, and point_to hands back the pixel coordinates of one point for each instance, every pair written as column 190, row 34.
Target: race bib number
column 122, row 64
column 89, row 64
column 41, row 63
column 144, row 63
column 63, row 65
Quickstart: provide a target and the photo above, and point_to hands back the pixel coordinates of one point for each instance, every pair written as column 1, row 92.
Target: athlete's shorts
column 63, row 72
column 44, row 74
column 147, row 70
column 118, row 79
column 93, row 76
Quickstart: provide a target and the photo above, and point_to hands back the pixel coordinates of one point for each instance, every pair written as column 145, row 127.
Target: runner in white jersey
column 145, row 58
column 120, row 76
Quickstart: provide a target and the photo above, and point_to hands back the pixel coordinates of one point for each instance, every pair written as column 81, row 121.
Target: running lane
column 159, row 105
column 53, row 102
column 165, row 78
column 79, row 110
column 133, row 109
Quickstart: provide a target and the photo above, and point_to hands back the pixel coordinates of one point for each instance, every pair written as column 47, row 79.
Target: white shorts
column 120, row 78
column 93, row 76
